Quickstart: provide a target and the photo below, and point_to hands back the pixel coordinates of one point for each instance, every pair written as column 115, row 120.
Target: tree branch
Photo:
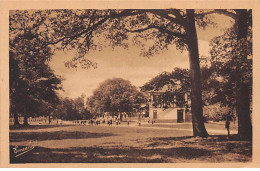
column 164, row 14
column 177, row 13
column 218, row 11
column 227, row 13
column 124, row 13
column 161, row 29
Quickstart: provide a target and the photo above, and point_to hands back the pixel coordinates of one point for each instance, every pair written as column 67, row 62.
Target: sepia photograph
column 126, row 85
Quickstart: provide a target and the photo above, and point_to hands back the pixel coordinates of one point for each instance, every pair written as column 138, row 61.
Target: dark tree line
column 32, row 84
column 72, row 109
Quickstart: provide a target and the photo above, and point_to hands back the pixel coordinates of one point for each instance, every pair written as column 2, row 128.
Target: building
column 168, row 106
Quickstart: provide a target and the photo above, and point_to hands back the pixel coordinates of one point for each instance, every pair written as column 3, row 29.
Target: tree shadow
column 109, row 155
column 218, row 144
column 158, row 150
column 57, row 135
column 211, row 138
column 35, row 127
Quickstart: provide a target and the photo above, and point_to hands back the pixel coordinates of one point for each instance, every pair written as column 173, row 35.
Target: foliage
column 83, row 30
column 178, row 83
column 31, row 89
column 230, row 64
column 116, row 96
column 72, row 109
column 216, row 112
column 32, row 83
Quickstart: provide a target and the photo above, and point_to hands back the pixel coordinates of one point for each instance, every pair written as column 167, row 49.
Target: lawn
column 127, row 144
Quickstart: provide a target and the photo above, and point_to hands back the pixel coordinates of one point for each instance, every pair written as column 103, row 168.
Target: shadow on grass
column 219, row 144
column 35, row 127
column 211, row 138
column 57, row 135
column 109, row 155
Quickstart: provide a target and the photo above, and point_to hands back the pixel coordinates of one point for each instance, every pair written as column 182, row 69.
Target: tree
column 116, row 96
column 72, row 109
column 15, row 89
column 178, row 82
column 32, row 82
column 80, row 29
column 32, row 98
column 231, row 58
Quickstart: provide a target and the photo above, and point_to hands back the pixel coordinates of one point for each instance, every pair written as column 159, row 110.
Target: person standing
column 227, row 124
column 139, row 122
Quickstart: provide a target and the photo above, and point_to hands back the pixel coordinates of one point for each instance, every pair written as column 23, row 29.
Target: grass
column 119, row 144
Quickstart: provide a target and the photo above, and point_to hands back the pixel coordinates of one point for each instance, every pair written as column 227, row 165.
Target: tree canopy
column 32, row 82
column 226, row 61
column 116, row 96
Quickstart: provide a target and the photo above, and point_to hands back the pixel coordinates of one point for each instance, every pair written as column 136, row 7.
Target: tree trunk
column 196, row 97
column 25, row 120
column 16, row 119
column 49, row 118
column 243, row 112
column 243, row 101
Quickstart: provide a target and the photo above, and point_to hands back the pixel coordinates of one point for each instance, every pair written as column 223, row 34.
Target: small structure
column 168, row 106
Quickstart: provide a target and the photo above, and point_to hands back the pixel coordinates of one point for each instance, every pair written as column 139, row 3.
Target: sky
column 128, row 64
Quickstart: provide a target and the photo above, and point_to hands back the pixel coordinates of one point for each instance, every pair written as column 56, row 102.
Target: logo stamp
column 18, row 151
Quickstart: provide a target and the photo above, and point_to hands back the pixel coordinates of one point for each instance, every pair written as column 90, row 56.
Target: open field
column 120, row 144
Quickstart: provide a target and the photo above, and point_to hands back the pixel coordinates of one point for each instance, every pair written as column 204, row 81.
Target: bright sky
column 128, row 64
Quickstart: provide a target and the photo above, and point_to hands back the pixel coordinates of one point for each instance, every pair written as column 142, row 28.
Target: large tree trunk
column 243, row 112
column 196, row 97
column 243, row 101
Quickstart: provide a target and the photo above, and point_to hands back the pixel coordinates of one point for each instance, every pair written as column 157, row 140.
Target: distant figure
column 128, row 122
column 152, row 122
column 148, row 120
column 234, row 119
column 139, row 123
column 227, row 124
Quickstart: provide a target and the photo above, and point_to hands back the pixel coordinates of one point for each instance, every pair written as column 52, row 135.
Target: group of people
column 103, row 121
column 94, row 122
column 78, row 122
column 153, row 121
column 228, row 119
column 109, row 121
